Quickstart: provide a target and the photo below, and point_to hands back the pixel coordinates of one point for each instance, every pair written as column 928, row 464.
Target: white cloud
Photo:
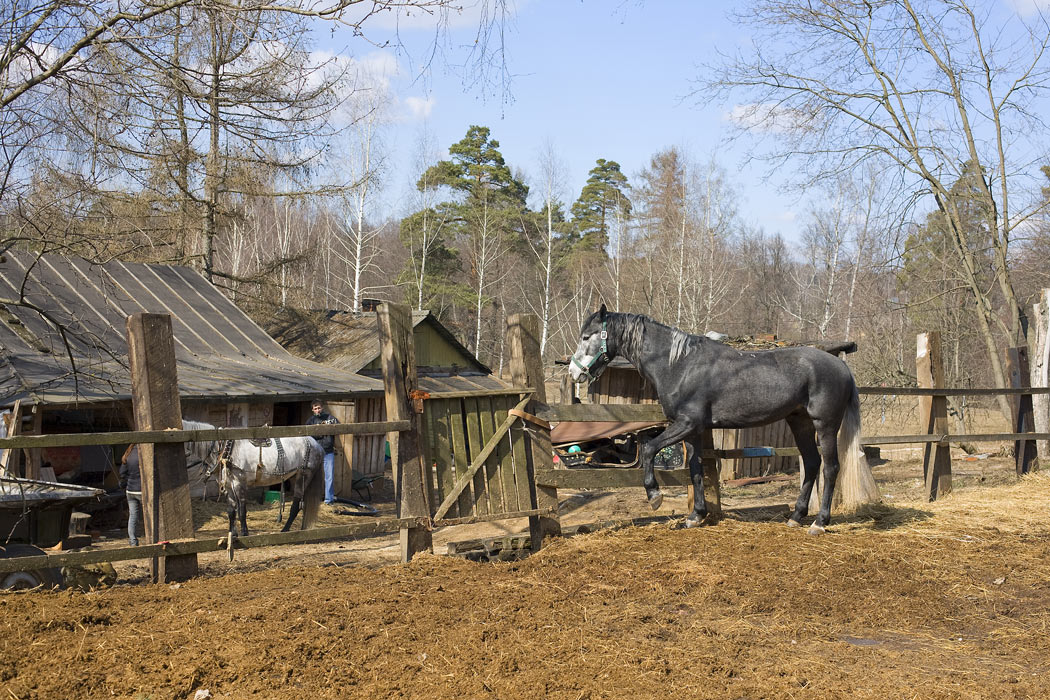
column 419, row 107
column 766, row 116
column 1028, row 7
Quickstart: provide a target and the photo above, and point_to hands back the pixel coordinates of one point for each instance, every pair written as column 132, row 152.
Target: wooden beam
column 1023, row 420
column 33, row 455
column 155, row 399
column 933, row 415
column 526, row 369
column 608, row 478
column 399, row 380
column 1040, row 370
column 9, row 460
column 617, row 413
column 209, row 544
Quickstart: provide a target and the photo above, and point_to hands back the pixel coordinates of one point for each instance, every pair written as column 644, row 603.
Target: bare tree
column 919, row 89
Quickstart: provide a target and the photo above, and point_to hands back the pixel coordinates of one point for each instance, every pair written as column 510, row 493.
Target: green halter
column 604, row 351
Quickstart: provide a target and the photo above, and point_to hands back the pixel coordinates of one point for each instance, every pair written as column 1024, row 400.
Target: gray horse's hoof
column 692, row 521
column 815, row 529
column 793, row 523
column 656, row 499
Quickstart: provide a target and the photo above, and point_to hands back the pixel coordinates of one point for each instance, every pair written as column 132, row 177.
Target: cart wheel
column 20, row 580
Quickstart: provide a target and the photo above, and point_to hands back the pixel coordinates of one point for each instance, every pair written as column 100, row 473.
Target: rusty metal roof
column 221, row 353
column 350, row 340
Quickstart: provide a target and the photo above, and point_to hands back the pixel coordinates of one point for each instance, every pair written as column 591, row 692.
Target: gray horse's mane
column 196, row 425
column 632, row 329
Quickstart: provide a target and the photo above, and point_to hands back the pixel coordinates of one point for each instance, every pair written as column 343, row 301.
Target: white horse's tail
column 856, row 486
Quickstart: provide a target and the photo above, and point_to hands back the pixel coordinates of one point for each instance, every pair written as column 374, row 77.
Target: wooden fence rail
column 168, row 436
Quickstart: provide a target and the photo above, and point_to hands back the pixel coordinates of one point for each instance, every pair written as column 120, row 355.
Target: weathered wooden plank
column 505, row 454
column 174, row 435
column 526, row 369
column 209, row 544
column 520, row 456
column 942, row 391
column 1023, row 418
column 608, row 478
column 442, row 412
column 621, row 413
column 461, row 454
column 166, row 506
column 399, row 380
column 473, row 425
column 493, row 482
column 9, row 460
column 937, row 461
column 474, row 393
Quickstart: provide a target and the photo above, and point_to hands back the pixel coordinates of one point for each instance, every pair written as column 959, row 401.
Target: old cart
column 35, row 514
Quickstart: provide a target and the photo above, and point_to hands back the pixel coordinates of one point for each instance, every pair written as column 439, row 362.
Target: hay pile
column 943, row 600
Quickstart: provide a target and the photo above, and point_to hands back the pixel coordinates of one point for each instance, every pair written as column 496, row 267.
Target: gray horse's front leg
column 675, row 432
column 242, row 510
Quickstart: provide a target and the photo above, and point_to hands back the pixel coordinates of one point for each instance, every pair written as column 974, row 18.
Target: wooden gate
column 477, row 452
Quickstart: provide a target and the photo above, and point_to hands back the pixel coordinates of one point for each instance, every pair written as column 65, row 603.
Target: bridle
column 603, row 351
column 223, row 447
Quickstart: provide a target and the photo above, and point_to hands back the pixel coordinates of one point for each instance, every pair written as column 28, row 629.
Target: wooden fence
column 464, row 457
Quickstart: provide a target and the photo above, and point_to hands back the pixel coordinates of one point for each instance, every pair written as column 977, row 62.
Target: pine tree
column 603, row 196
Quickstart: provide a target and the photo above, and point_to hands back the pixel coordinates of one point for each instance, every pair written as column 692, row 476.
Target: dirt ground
column 904, row 599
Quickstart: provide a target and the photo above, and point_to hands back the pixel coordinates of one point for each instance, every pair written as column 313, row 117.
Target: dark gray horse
column 702, row 384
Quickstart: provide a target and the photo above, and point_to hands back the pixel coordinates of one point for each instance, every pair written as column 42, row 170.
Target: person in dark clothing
column 131, row 482
column 327, row 442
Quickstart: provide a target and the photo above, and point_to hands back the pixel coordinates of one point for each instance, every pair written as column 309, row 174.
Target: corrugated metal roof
column 221, row 353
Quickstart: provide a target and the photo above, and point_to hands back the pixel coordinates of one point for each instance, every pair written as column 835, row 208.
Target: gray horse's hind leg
column 805, row 434
column 829, row 448
column 696, row 475
column 293, row 511
column 242, row 512
column 675, row 432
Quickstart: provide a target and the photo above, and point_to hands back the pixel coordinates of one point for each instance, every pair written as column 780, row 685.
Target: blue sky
column 595, row 80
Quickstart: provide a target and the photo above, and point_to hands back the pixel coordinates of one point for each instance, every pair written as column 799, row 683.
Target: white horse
column 244, row 463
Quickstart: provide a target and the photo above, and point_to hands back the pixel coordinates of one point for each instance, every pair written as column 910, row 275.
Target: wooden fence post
column 166, row 506
column 406, row 456
column 933, row 415
column 1024, row 450
column 1040, row 372
column 526, row 369
column 712, row 479
column 34, row 454
column 9, row 459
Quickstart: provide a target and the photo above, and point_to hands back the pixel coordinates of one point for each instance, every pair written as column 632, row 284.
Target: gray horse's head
column 593, row 354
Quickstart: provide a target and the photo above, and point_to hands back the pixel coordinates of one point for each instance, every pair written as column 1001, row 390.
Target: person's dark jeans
column 134, row 517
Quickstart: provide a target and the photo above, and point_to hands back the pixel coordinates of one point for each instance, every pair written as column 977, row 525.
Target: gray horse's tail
column 314, row 491
column 856, row 486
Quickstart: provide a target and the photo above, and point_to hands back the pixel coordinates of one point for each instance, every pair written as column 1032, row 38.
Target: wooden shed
column 349, row 341
column 621, row 383
column 63, row 355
